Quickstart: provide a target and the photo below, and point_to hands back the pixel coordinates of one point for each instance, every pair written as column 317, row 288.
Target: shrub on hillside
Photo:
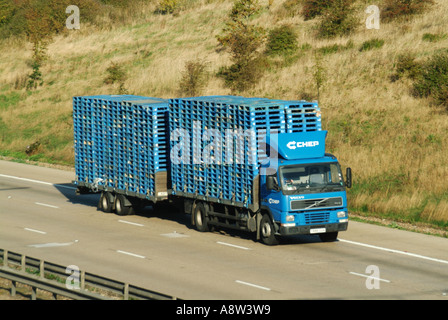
column 337, row 19
column 314, row 8
column 43, row 17
column 167, row 6
column 433, row 79
column 194, row 78
column 333, row 48
column 282, row 40
column 243, row 9
column 395, row 9
column 6, row 11
column 434, row 37
column 407, row 66
column 371, row 44
column 115, row 74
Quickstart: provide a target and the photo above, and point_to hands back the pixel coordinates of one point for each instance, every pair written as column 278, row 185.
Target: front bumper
column 330, row 227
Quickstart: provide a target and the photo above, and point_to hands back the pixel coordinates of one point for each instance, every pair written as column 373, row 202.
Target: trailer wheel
column 105, row 204
column 328, row 237
column 120, row 207
column 200, row 218
column 267, row 231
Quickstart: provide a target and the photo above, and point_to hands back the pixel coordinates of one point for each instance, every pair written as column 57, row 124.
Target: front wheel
column 267, row 231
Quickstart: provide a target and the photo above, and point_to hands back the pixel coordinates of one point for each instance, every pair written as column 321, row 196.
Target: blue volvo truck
column 250, row 164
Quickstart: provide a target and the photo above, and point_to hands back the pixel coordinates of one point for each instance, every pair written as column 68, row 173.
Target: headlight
column 290, row 218
column 341, row 214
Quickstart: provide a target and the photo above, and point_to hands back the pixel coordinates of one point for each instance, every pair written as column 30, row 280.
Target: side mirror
column 348, row 177
column 271, row 184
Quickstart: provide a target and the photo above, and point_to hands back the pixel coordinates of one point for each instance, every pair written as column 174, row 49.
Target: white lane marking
column 174, row 235
column 232, row 245
column 132, row 223
column 370, row 277
column 51, row 244
column 252, row 285
column 131, row 254
column 34, row 230
column 395, row 251
column 46, row 205
column 37, row 181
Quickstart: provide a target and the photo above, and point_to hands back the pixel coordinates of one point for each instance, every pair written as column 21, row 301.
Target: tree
column 319, row 73
column 194, row 78
column 243, row 40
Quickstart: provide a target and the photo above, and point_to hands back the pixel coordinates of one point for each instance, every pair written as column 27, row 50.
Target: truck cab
column 303, row 191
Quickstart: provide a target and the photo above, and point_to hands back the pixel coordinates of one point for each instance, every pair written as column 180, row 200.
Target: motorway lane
column 161, row 252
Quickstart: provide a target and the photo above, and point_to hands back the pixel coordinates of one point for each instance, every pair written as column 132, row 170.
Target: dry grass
column 394, row 143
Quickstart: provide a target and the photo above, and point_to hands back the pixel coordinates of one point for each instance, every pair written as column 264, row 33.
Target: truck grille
column 313, row 217
column 316, row 203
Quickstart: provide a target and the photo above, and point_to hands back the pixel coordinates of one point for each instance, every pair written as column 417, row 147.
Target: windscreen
column 319, row 177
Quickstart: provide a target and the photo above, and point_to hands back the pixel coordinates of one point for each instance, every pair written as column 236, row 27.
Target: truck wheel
column 328, row 237
column 120, row 207
column 267, row 231
column 200, row 218
column 105, row 204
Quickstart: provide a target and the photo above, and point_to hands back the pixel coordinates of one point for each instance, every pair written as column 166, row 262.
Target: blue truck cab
column 303, row 191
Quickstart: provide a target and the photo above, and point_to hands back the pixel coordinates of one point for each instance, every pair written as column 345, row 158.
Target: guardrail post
column 83, row 280
column 126, row 291
column 33, row 293
column 5, row 258
column 13, row 288
column 41, row 268
column 23, row 263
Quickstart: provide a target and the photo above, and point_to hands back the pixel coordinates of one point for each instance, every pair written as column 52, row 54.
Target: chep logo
column 301, row 144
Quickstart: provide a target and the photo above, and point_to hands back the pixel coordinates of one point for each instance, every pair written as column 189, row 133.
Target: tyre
column 328, row 237
column 267, row 231
column 120, row 208
column 200, row 218
column 106, row 203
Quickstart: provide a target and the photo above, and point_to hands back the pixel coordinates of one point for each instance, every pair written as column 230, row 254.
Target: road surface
column 41, row 216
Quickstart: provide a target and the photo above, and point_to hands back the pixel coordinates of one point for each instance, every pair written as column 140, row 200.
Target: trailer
column 252, row 164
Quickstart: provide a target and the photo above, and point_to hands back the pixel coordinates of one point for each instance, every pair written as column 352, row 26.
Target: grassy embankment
column 394, row 143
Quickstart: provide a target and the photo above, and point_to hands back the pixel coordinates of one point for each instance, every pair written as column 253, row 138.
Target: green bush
column 6, row 11
column 314, row 8
column 282, row 40
column 433, row 79
column 167, row 6
column 371, row 44
column 334, row 48
column 194, row 78
column 406, row 65
column 243, row 9
column 40, row 19
column 398, row 9
column 115, row 74
column 337, row 19
column 434, row 37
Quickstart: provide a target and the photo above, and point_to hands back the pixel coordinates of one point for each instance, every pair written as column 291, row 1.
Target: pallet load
column 121, row 144
column 223, row 138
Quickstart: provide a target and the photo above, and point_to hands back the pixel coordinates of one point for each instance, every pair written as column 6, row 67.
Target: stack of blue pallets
column 120, row 142
column 223, row 168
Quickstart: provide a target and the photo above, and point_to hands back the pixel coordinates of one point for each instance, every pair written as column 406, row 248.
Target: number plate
column 318, row 230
